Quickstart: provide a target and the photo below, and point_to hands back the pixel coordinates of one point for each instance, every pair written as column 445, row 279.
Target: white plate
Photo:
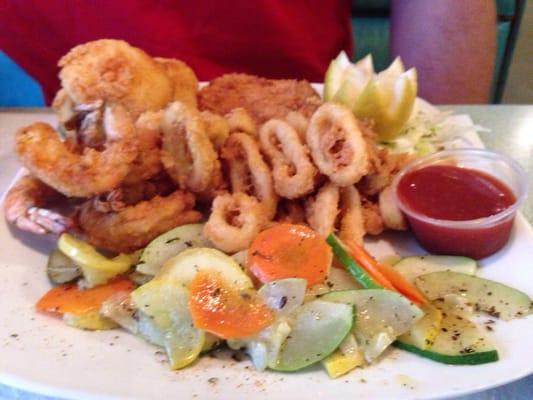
column 41, row 354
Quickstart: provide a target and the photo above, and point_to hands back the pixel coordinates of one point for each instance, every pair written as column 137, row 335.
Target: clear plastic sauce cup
column 475, row 238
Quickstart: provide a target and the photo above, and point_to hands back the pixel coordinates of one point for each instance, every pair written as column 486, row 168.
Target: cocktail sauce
column 452, row 193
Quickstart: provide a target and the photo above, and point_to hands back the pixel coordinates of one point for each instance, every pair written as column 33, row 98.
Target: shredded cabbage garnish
column 429, row 130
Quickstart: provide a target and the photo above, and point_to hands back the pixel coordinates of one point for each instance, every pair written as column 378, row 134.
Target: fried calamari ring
column 217, row 186
column 240, row 120
column 337, row 145
column 299, row 122
column 133, row 227
column 148, row 161
column 335, row 208
column 293, row 172
column 111, row 69
column 216, row 127
column 84, row 174
column 248, row 172
column 322, row 210
column 235, row 221
column 351, row 224
column 390, row 213
column 183, row 78
column 187, row 153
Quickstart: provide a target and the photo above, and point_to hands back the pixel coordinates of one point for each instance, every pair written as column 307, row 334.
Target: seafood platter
column 257, row 237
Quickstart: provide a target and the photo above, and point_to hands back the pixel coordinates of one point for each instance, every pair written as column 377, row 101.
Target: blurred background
column 513, row 74
column 519, row 87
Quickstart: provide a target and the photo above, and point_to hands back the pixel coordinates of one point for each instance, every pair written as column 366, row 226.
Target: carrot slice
column 228, row 313
column 289, row 251
column 368, row 264
column 68, row 298
column 380, row 271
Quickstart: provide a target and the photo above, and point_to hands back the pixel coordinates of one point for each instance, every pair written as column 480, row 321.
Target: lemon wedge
column 387, row 97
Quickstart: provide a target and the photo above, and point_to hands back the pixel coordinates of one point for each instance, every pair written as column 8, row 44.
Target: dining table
column 504, row 128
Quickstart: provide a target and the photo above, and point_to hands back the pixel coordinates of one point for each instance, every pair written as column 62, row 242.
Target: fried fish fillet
column 263, row 98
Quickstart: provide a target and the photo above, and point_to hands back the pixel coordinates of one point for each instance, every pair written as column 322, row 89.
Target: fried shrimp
column 24, row 207
column 63, row 107
column 183, row 78
column 130, row 194
column 322, row 210
column 81, row 125
column 351, row 222
column 337, row 145
column 235, row 221
column 240, row 120
column 390, row 213
column 372, row 217
column 292, row 170
column 263, row 98
column 187, row 153
column 216, row 127
column 134, row 226
column 111, row 69
column 86, row 173
column 148, row 161
column 248, row 172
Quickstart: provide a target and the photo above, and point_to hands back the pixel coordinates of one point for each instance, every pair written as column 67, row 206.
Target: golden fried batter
column 184, row 80
column 135, row 226
column 263, row 98
column 86, row 173
column 112, row 69
column 383, row 164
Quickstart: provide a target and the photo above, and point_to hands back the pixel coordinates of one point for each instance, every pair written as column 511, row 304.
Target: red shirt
column 271, row 38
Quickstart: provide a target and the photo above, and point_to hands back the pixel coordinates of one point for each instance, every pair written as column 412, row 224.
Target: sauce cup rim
column 442, row 155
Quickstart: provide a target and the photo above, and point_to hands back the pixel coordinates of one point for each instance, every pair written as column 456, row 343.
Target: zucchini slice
column 494, row 298
column 60, row 268
column 459, row 342
column 317, row 329
column 382, row 316
column 168, row 245
column 183, row 267
column 414, row 266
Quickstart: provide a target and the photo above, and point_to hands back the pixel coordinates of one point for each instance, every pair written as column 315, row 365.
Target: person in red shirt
column 450, row 42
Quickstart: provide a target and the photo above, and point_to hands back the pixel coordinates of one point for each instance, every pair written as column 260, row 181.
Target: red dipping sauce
column 456, row 210
column 454, row 193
